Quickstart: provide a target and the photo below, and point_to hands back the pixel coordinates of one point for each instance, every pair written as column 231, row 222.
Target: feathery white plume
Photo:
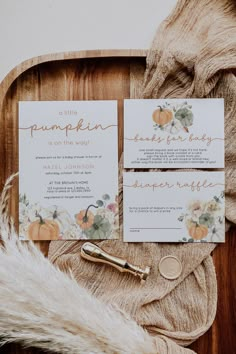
column 42, row 307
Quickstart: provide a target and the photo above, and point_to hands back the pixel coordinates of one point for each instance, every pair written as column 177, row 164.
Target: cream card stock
column 174, row 133
column 68, row 162
column 174, row 206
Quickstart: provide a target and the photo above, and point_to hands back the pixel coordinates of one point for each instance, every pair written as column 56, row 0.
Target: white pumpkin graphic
column 174, row 127
column 59, row 215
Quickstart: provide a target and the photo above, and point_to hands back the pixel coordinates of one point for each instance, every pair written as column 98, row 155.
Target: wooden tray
column 99, row 75
column 92, row 75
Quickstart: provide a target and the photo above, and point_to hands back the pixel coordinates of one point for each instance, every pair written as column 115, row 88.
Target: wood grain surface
column 95, row 75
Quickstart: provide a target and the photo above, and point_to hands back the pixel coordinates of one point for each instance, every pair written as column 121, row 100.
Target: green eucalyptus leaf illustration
column 190, row 240
column 106, row 197
column 23, row 199
column 217, row 199
column 99, row 203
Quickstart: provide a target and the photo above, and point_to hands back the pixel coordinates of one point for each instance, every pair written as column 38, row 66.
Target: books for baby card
column 174, row 133
column 68, row 169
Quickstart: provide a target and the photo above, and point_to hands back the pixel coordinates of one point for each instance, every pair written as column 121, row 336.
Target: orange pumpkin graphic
column 85, row 219
column 43, row 230
column 198, row 232
column 162, row 116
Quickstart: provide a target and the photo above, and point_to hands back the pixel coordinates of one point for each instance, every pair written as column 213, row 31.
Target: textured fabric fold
column 193, row 55
column 182, row 309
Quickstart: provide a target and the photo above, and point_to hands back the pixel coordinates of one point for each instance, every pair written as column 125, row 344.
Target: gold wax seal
column 170, row 267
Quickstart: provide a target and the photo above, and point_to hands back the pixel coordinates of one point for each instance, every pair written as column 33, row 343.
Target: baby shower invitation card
column 174, row 206
column 68, row 170
column 174, row 133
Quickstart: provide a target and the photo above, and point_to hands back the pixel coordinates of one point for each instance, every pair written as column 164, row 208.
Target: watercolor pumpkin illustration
column 185, row 116
column 198, row 232
column 204, row 220
column 60, row 216
column 43, row 229
column 174, row 127
column 85, row 219
column 162, row 116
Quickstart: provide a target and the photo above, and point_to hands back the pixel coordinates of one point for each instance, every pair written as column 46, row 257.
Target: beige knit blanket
column 193, row 55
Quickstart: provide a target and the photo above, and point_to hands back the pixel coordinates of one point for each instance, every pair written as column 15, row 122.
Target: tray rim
column 62, row 57
column 82, row 54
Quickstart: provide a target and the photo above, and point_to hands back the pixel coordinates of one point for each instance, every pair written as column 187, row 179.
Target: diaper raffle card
column 174, row 206
column 174, row 133
column 68, row 166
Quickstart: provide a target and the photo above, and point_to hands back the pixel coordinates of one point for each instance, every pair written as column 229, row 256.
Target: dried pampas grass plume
column 5, row 197
column 42, row 307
